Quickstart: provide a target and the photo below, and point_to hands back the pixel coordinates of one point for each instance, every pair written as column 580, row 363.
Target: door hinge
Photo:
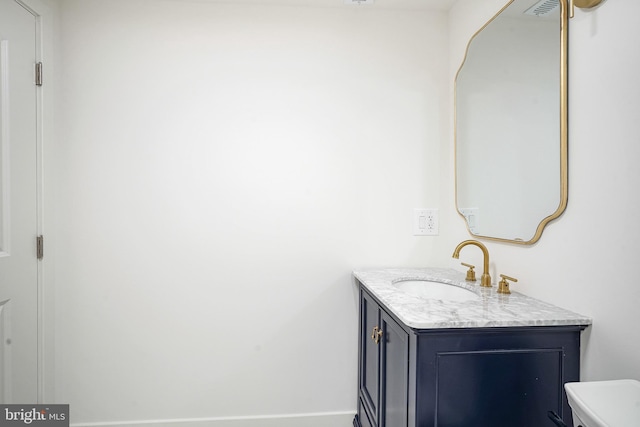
column 38, row 73
column 40, row 247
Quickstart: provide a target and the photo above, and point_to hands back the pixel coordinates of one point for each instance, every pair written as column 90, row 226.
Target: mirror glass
column 511, row 120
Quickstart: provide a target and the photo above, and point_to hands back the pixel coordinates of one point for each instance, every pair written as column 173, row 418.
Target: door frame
column 43, row 12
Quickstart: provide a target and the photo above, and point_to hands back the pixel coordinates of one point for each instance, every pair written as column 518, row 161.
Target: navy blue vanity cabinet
column 485, row 377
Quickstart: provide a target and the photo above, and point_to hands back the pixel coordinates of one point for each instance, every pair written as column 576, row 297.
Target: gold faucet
column 485, row 280
column 503, row 287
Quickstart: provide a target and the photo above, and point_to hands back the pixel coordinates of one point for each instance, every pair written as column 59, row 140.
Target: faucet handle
column 471, row 274
column 503, row 286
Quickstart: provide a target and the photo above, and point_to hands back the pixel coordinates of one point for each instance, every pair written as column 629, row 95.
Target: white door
column 18, row 205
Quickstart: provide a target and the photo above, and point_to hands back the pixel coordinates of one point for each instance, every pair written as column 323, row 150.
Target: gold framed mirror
column 511, row 123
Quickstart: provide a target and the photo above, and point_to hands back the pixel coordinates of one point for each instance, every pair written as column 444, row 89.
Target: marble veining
column 490, row 310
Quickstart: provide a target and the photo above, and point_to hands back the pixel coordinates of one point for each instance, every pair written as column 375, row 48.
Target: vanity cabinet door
column 369, row 363
column 394, row 375
column 383, row 367
column 496, row 376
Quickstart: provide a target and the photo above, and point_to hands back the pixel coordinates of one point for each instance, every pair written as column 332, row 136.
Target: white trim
column 328, row 419
column 40, row 11
column 5, row 237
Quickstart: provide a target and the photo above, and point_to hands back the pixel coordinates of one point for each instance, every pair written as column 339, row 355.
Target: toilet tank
column 605, row 403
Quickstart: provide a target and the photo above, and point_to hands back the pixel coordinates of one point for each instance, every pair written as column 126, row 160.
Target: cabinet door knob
column 376, row 334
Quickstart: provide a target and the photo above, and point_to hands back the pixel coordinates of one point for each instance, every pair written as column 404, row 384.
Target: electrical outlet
column 425, row 222
column 473, row 218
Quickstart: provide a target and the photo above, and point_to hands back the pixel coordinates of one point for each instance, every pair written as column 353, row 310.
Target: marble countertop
column 490, row 310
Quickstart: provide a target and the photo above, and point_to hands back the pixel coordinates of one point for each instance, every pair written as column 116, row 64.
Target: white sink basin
column 605, row 403
column 436, row 290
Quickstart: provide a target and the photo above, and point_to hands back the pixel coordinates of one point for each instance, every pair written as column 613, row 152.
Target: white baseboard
column 332, row 419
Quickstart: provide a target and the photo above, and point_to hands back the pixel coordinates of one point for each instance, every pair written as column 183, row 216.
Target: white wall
column 220, row 170
column 587, row 259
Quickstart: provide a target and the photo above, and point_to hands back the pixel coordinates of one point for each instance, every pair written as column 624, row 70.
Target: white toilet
column 605, row 403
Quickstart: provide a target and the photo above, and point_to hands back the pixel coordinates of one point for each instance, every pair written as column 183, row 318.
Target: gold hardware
column 503, row 286
column 583, row 4
column 485, row 279
column 471, row 275
column 376, row 334
column 587, row 4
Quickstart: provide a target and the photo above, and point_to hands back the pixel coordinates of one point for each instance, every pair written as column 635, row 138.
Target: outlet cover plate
column 425, row 222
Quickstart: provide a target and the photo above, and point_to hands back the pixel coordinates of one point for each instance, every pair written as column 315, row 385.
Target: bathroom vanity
column 492, row 360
